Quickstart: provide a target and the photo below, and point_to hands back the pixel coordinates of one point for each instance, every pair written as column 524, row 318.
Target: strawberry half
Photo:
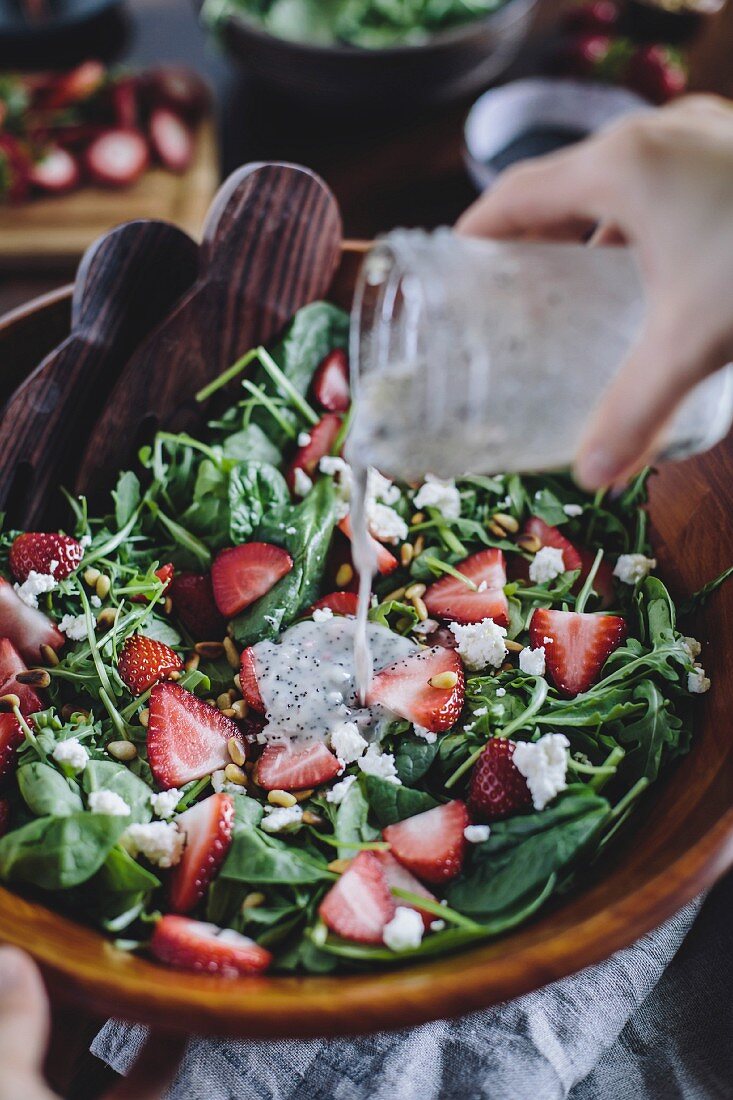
column 322, row 438
column 577, row 645
column 451, row 599
column 283, row 768
column 552, row 536
column 11, row 736
column 208, row 827
column 56, row 172
column 171, row 139
column 117, row 157
column 187, row 738
column 248, row 680
column 195, row 945
column 242, row 574
column 498, row 788
column 75, row 86
column 144, row 661
column 431, row 844
column 331, row 382
column 37, row 551
column 341, row 603
column 386, row 562
column 11, row 663
column 193, row 603
column 26, row 627
column 165, row 574
column 398, row 876
column 360, row 904
column 404, row 689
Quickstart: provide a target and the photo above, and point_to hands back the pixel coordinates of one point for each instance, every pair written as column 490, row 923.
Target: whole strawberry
column 45, row 553
column 498, row 788
column 656, row 73
column 144, row 661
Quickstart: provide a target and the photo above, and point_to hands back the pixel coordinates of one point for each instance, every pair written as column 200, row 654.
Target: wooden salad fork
column 127, row 281
column 271, row 244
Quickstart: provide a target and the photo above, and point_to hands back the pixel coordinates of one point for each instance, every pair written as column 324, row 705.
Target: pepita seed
column 49, row 655
column 254, row 900
column 419, row 546
column 175, row 675
column 281, row 798
column 396, row 595
column 512, row 646
column 231, row 653
column 302, row 796
column 144, row 717
column 167, row 605
column 240, row 707
column 406, row 553
column 223, row 701
column 122, row 750
column 103, row 586
column 339, row 865
column 419, row 517
column 106, row 618
column 344, row 575
column 91, row 576
column 34, row 677
column 309, row 818
column 444, row 680
column 210, row 651
column 228, row 712
column 497, row 531
column 236, row 751
column 235, row 774
column 419, row 604
column 9, row 703
column 416, row 589
column 237, row 683
column 530, row 543
column 509, row 523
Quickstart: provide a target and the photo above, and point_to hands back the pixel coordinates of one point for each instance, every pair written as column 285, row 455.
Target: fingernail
column 10, row 968
column 595, row 468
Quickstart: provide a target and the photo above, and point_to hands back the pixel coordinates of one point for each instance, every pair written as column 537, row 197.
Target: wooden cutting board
column 55, row 231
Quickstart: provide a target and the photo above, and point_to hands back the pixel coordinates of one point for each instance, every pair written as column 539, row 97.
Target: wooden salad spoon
column 271, row 244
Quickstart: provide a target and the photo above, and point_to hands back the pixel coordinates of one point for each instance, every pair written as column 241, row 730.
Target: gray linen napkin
column 535, row 1048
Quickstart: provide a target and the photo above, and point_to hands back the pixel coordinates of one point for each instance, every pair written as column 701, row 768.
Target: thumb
column 24, row 1022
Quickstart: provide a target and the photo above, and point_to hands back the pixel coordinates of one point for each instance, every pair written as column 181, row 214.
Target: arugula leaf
column 126, row 497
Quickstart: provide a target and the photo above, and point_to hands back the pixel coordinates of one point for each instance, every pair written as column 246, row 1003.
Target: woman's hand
column 663, row 182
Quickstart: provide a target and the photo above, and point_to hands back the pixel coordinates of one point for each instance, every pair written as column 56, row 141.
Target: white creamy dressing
column 365, row 560
column 307, row 678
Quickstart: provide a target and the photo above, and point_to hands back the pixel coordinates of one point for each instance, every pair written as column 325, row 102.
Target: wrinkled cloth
column 593, row 1036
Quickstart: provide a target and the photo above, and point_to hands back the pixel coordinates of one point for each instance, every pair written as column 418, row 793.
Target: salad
column 184, row 761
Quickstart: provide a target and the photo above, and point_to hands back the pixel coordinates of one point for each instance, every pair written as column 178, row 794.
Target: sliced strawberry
column 284, row 768
column 56, row 172
column 11, row 663
column 331, row 382
column 208, row 828
column 552, row 536
column 124, row 102
column 498, row 788
column 11, row 736
column 4, row 813
column 386, row 562
column 38, row 551
column 165, row 574
column 451, row 599
column 194, row 945
column 655, row 72
column 177, row 87
column 187, row 738
column 577, row 645
column 341, row 603
column 193, row 603
column 322, row 438
column 248, row 680
column 399, row 877
column 26, row 627
column 75, row 86
column 360, row 904
column 144, row 661
column 431, row 844
column 117, row 157
column 603, row 583
column 171, row 139
column 404, row 689
column 242, row 574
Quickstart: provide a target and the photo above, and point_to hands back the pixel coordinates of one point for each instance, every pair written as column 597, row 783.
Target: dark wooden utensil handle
column 271, row 244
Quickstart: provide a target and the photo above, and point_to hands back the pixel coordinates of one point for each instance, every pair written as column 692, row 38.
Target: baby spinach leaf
column 351, row 820
column 413, row 757
column 46, row 791
column 390, row 802
column 56, row 853
column 256, row 490
column 126, row 498
column 255, row 857
column 107, row 775
column 121, row 874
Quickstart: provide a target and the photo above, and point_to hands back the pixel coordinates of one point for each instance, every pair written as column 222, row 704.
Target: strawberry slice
column 603, row 583
column 26, row 627
column 11, row 736
column 117, row 157
column 11, row 663
column 552, row 536
column 242, row 574
column 4, row 814
column 248, row 680
column 386, row 562
column 360, row 904
column 498, row 788
column 171, row 139
column 208, row 827
column 56, row 172
column 193, row 602
column 75, row 86
column 577, row 645
column 187, row 738
column 195, row 945
column 451, row 599
column 341, row 603
column 398, row 876
column 322, row 438
column 284, row 768
column 124, row 102
column 431, row 844
column 58, row 555
column 165, row 574
column 144, row 661
column 404, row 689
column 331, row 382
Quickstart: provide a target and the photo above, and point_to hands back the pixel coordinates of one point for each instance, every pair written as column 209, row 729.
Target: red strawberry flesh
column 144, row 661
column 194, row 945
column 403, row 688
column 284, row 767
column 449, row 598
column 248, row 680
column 331, row 382
column 341, row 603
column 11, row 663
column 552, row 536
column 323, row 435
column 498, row 789
column 242, row 574
column 208, row 828
column 26, row 627
column 398, row 876
column 386, row 562
column 577, row 645
column 360, row 904
column 431, row 845
column 37, row 551
column 193, row 603
column 187, row 738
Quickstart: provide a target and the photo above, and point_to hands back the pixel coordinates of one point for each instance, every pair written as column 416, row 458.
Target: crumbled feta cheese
column 404, row 931
column 74, row 627
column 384, row 523
column 477, row 834
column 427, row 735
column 692, row 646
column 573, row 510
column 95, row 601
column 347, row 742
column 161, row 842
column 108, row 802
column 547, row 564
column 543, row 764
column 339, row 790
column 381, row 488
column 631, row 568
column 480, row 712
column 85, row 541
column 221, row 784
column 532, row 661
column 71, row 752
column 35, row 585
column 164, row 802
column 336, row 467
column 279, row 818
column 480, row 644
column 437, row 925
column 380, row 764
column 304, row 439
column 443, row 495
column 322, row 614
column 302, row 484
column 500, row 693
column 697, row 682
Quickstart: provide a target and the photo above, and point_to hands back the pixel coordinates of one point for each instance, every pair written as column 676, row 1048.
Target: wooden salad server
column 127, row 281
column 271, row 244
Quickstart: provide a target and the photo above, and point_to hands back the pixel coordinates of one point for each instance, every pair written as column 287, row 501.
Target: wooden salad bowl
column 679, row 842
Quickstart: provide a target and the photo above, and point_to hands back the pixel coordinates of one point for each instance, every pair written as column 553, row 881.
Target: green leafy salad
column 184, row 758
column 371, row 24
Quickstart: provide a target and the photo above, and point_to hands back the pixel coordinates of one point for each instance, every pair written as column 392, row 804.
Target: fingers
column 24, row 1023
column 154, row 1069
